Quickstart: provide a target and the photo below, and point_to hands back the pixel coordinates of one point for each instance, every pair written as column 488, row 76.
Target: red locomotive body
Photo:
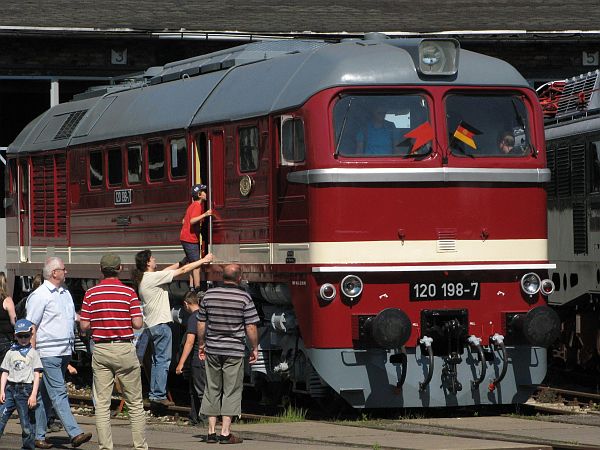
column 387, row 236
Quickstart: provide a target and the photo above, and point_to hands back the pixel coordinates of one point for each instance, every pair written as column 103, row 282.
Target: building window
column 96, row 169
column 178, row 156
column 134, row 164
column 156, row 160
column 115, row 167
column 248, row 144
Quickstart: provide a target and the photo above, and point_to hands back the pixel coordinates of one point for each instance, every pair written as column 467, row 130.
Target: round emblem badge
column 246, row 183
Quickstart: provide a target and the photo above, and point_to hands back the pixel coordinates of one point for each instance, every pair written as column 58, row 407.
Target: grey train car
column 572, row 133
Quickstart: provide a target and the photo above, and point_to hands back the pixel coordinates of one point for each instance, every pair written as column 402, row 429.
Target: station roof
column 302, row 17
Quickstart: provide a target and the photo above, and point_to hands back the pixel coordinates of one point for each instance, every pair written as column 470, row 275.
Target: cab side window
column 134, row 164
column 248, row 146
column 96, row 171
column 156, row 160
column 115, row 167
column 293, row 150
column 178, row 155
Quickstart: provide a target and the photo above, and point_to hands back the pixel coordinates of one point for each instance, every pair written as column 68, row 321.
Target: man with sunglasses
column 51, row 310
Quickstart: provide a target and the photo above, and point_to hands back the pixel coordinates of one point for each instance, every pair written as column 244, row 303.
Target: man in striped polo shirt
column 111, row 310
column 226, row 315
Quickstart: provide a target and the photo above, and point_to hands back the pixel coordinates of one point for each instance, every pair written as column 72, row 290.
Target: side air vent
column 579, row 229
column 563, row 172
column 551, row 186
column 446, row 240
column 578, row 178
column 67, row 128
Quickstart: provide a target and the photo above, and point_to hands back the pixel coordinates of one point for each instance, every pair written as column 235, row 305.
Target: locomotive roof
column 247, row 81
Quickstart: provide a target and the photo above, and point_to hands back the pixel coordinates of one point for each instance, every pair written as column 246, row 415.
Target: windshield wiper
column 337, row 146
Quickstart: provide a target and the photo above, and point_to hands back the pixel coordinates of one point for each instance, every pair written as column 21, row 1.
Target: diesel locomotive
column 572, row 111
column 396, row 252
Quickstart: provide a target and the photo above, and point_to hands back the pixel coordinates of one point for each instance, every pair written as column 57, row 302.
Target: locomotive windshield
column 488, row 125
column 382, row 125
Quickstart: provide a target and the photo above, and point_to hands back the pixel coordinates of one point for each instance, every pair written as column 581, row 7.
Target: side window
column 292, row 141
column 178, row 155
column 96, row 169
column 248, row 145
column 156, row 160
column 115, row 167
column 134, row 164
column 595, row 166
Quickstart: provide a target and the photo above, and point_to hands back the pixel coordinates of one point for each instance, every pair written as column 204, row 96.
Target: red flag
column 422, row 135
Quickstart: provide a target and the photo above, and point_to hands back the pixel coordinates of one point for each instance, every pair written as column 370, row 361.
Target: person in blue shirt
column 378, row 136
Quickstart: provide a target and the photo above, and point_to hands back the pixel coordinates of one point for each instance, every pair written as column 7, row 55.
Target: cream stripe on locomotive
column 385, row 252
column 368, row 252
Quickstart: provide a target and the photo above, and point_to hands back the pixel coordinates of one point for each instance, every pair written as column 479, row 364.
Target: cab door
column 208, row 169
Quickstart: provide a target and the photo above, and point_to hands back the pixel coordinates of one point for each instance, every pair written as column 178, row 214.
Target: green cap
column 110, row 261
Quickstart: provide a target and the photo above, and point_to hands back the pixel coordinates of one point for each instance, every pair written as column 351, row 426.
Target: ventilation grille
column 579, row 229
column 551, row 186
column 563, row 172
column 49, row 196
column 446, row 240
column 67, row 128
column 578, row 178
column 580, row 93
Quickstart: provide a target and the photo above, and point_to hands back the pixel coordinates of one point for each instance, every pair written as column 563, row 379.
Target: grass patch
column 289, row 414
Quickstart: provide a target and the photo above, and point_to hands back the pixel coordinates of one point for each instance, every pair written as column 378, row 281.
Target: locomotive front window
column 96, row 169
column 156, row 160
column 382, row 125
column 488, row 125
column 178, row 156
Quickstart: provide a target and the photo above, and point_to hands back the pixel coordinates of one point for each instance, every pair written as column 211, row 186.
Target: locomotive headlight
column 438, row 56
column 327, row 292
column 547, row 287
column 351, row 286
column 530, row 283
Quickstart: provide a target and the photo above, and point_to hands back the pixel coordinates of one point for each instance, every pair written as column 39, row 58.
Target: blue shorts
column 192, row 250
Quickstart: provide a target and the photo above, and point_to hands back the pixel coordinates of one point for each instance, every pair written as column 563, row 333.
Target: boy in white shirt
column 21, row 369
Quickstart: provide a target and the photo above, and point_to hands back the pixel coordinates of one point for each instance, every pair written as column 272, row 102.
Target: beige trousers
column 118, row 359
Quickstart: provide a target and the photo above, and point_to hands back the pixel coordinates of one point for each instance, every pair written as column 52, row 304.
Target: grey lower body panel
column 367, row 379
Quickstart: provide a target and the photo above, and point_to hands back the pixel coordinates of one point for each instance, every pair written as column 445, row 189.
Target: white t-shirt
column 155, row 297
column 20, row 368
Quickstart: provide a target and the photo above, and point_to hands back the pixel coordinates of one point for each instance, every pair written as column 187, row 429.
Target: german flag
column 465, row 132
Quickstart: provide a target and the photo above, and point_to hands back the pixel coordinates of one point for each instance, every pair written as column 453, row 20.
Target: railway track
column 175, row 411
column 565, row 401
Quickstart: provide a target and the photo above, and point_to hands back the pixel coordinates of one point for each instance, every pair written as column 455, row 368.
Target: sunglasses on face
column 23, row 335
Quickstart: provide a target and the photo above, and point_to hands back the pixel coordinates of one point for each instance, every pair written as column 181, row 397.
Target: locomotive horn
column 390, row 328
column 540, row 326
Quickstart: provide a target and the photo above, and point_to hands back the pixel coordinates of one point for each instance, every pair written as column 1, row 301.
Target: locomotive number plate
column 444, row 290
